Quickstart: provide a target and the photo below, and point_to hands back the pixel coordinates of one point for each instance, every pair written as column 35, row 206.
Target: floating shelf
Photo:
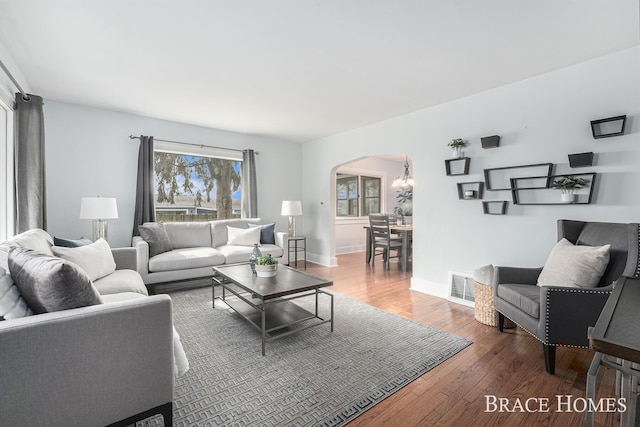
column 498, row 207
column 580, row 160
column 548, row 195
column 507, row 173
column 606, row 128
column 454, row 168
column 476, row 186
column 492, row 141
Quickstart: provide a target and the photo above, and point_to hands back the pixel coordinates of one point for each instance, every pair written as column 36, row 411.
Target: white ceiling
column 298, row 69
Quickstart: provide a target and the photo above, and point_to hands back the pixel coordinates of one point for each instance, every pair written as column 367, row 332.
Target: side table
column 297, row 244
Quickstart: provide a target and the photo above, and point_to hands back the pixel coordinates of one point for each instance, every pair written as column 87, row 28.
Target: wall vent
column 462, row 289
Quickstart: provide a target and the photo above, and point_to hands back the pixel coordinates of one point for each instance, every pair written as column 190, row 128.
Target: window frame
column 360, row 174
column 195, row 150
column 7, row 213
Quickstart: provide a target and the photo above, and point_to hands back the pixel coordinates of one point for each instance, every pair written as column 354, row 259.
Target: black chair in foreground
column 558, row 302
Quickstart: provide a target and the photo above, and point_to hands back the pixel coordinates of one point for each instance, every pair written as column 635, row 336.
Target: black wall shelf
column 497, row 207
column 453, row 167
column 582, row 198
column 580, row 160
column 476, row 186
column 492, row 141
column 543, row 168
column 606, row 128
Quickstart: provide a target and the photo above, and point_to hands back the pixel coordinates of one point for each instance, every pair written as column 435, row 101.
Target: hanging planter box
column 490, row 141
column 580, row 160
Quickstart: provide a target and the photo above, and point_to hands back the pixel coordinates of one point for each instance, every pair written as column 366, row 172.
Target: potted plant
column 404, row 209
column 266, row 266
column 568, row 185
column 457, row 145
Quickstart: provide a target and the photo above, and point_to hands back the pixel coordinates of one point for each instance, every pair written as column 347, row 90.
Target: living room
column 550, row 84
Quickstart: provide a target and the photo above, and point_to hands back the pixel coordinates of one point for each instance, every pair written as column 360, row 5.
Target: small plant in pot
column 457, row 145
column 568, row 185
column 266, row 266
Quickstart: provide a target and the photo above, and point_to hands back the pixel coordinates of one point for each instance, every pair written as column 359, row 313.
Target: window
column 6, row 171
column 196, row 184
column 350, row 201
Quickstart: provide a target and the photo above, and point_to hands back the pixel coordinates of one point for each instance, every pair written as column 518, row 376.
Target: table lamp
column 99, row 209
column 292, row 208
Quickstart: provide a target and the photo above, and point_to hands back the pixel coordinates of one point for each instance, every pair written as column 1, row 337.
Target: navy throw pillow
column 267, row 234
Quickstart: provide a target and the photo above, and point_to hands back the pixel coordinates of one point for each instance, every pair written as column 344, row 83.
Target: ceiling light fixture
column 406, row 181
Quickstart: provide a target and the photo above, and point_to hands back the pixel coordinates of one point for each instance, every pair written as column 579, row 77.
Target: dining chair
column 381, row 238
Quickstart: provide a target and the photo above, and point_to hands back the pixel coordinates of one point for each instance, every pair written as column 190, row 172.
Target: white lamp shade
column 291, row 208
column 98, row 208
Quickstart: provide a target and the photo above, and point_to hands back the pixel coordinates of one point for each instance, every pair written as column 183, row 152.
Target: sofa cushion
column 267, row 233
column 71, row 243
column 121, row 296
column 12, row 305
column 180, row 259
column 121, row 281
column 525, row 297
column 189, row 234
column 572, row 265
column 243, row 236
column 219, row 235
column 35, row 239
column 95, row 259
column 48, row 283
column 235, row 254
column 156, row 236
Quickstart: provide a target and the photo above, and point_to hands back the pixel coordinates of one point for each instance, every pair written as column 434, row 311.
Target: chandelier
column 406, row 181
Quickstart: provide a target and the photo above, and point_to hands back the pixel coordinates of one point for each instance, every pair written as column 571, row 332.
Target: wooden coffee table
column 266, row 302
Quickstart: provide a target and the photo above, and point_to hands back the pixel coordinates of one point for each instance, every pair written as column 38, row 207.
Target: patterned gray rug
column 313, row 378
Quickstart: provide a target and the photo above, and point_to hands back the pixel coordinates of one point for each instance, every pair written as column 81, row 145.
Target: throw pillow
column 71, row 243
column 48, row 283
column 572, row 265
column 95, row 259
column 267, row 233
column 12, row 305
column 156, row 236
column 243, row 236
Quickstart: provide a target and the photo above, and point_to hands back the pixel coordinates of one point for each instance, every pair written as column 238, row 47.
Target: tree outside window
column 196, row 188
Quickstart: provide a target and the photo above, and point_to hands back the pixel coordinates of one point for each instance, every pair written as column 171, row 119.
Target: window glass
column 350, row 201
column 196, row 187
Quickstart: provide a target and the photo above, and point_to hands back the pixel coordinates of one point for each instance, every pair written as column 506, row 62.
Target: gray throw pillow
column 156, row 236
column 48, row 283
column 267, row 233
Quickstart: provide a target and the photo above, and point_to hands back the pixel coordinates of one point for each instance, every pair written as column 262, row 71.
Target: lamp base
column 100, row 229
column 292, row 226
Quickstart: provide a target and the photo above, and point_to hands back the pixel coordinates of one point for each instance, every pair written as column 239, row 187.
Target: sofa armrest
column 282, row 241
column 142, row 257
column 125, row 258
column 87, row 366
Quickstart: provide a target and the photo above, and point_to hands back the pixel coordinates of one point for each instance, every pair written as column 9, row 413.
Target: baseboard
column 322, row 260
column 350, row 249
column 427, row 287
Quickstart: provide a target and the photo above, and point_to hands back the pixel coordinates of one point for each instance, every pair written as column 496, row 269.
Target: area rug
column 312, row 378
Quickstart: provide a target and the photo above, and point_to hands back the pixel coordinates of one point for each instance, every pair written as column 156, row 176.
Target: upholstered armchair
column 561, row 315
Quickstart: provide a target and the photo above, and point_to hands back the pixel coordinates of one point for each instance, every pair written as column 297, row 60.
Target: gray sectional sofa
column 199, row 246
column 91, row 366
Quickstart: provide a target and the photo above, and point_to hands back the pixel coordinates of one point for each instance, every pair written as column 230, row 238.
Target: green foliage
column 405, row 202
column 213, row 172
column 568, row 183
column 266, row 260
column 457, row 143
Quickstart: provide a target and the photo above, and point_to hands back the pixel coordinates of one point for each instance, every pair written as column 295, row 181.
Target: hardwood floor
column 508, row 365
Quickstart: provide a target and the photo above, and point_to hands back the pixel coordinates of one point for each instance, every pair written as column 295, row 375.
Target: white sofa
column 90, row 366
column 199, row 246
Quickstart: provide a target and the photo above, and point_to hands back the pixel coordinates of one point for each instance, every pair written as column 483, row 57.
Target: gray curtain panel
column 249, row 185
column 145, row 211
column 29, row 163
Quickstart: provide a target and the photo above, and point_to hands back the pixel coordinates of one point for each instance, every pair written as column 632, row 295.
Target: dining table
column 404, row 231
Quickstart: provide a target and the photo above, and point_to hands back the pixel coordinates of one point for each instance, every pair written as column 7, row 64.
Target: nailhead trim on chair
column 572, row 290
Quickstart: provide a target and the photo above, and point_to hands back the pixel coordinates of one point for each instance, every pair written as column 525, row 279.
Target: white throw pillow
column 574, row 266
column 243, row 236
column 95, row 259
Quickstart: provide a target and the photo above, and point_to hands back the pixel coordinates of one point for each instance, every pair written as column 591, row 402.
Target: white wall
column 349, row 232
column 541, row 119
column 89, row 153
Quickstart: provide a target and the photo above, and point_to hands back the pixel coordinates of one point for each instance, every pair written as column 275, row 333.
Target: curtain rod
column 192, row 144
column 14, row 81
